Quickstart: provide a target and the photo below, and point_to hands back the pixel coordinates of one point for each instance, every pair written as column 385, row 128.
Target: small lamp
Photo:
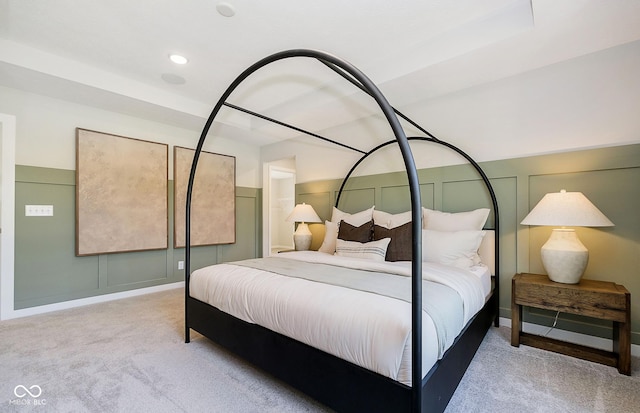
column 302, row 213
column 563, row 255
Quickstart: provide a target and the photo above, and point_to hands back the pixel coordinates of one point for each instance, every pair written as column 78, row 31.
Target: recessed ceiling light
column 177, row 59
column 225, row 9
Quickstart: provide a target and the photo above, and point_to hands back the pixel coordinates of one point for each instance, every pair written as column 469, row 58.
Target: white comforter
column 370, row 330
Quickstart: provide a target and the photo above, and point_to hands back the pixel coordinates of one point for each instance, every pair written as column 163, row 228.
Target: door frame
column 269, row 169
column 7, row 216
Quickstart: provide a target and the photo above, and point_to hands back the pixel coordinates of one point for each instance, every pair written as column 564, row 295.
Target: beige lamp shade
column 303, row 213
column 566, row 209
column 564, row 257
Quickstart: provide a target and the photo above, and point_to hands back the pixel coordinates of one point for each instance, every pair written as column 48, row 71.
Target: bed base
column 340, row 385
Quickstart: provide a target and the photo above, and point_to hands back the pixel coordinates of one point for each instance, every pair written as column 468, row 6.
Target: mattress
column 365, row 327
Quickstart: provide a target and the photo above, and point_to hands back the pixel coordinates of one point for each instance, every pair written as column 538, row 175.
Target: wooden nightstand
column 598, row 299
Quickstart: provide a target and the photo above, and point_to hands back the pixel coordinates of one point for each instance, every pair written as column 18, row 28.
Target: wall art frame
column 213, row 201
column 121, row 194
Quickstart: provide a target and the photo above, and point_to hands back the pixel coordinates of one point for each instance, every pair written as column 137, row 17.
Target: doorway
column 279, row 200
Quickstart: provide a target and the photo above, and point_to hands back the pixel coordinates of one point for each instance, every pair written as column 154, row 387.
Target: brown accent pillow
column 348, row 232
column 399, row 248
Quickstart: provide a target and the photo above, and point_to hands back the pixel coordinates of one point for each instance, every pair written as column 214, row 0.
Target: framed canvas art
column 121, row 194
column 213, row 200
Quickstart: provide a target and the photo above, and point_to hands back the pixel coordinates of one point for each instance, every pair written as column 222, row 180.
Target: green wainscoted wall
column 47, row 270
column 609, row 177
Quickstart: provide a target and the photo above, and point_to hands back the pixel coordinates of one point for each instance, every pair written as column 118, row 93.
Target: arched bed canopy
column 444, row 383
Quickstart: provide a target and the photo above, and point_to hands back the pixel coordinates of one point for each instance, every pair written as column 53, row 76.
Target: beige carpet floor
column 129, row 356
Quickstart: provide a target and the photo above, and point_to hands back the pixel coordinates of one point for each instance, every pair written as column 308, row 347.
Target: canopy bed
column 288, row 332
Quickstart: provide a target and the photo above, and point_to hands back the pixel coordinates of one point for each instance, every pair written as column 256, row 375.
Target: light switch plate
column 38, row 210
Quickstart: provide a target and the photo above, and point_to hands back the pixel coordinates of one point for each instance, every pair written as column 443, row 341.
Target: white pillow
column 373, row 250
column 389, row 221
column 455, row 248
column 356, row 219
column 458, row 221
column 330, row 236
column 486, row 250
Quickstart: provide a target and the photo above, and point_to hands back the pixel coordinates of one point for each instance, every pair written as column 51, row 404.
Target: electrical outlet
column 181, row 265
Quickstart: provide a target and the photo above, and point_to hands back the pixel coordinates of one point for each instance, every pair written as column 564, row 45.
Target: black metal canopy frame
column 357, row 78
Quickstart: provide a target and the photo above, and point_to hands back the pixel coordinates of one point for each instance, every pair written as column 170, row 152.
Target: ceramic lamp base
column 564, row 257
column 302, row 237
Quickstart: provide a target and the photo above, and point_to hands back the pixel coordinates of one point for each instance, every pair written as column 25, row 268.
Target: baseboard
column 570, row 336
column 25, row 312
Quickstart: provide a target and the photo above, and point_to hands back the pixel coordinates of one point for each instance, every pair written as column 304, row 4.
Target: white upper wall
column 586, row 102
column 46, row 134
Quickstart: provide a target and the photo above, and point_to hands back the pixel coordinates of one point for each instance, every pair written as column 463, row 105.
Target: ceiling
column 114, row 54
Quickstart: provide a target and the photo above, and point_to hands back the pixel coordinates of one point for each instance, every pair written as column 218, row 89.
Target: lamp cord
column 555, row 321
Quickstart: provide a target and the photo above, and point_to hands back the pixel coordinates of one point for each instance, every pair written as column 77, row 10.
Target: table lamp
column 302, row 213
column 564, row 257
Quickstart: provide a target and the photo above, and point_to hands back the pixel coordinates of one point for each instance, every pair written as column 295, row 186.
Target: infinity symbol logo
column 22, row 391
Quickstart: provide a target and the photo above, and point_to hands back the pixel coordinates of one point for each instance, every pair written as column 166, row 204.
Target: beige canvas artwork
column 213, row 200
column 121, row 194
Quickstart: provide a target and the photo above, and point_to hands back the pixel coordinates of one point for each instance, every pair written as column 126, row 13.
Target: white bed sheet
column 369, row 330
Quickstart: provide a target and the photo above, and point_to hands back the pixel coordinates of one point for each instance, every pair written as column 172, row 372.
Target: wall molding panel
column 607, row 176
column 48, row 272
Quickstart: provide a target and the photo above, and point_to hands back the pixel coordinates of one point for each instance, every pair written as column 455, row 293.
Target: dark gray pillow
column 399, row 248
column 348, row 232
